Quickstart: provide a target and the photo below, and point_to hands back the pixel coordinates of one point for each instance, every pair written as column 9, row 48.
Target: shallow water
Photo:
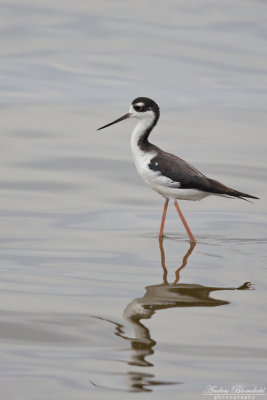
column 92, row 304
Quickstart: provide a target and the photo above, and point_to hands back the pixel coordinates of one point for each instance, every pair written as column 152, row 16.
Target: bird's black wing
column 188, row 177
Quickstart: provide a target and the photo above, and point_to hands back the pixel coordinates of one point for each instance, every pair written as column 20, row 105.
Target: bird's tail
column 243, row 196
column 218, row 187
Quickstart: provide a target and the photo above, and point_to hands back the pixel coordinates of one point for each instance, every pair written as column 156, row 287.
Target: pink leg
column 190, row 234
column 163, row 218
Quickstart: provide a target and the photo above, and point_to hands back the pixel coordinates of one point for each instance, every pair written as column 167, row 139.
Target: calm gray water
column 92, row 305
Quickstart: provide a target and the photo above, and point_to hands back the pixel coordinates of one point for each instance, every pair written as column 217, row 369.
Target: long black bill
column 125, row 116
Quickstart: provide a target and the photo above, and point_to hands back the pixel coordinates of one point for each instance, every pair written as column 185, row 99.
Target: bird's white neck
column 140, row 133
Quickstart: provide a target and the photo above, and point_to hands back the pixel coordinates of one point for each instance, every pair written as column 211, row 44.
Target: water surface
column 92, row 304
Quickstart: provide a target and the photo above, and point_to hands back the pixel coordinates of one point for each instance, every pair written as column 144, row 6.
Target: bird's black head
column 144, row 104
column 143, row 109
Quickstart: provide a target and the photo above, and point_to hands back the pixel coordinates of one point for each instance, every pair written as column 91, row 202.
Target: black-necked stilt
column 167, row 174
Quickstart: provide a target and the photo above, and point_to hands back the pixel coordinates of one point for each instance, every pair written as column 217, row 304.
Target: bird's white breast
column 142, row 158
column 161, row 184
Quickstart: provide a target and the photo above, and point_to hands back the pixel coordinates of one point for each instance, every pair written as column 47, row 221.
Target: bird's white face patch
column 142, row 115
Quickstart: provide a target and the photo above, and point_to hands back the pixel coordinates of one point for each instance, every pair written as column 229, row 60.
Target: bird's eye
column 138, row 108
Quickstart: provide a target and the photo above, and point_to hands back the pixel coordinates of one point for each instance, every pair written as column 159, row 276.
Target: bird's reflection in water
column 159, row 297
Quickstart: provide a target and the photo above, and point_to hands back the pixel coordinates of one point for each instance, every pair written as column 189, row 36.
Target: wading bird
column 166, row 173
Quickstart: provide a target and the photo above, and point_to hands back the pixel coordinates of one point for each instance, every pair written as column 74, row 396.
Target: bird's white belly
column 161, row 184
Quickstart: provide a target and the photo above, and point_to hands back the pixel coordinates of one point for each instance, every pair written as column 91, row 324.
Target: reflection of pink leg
column 162, row 255
column 163, row 218
column 177, row 273
column 190, row 234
